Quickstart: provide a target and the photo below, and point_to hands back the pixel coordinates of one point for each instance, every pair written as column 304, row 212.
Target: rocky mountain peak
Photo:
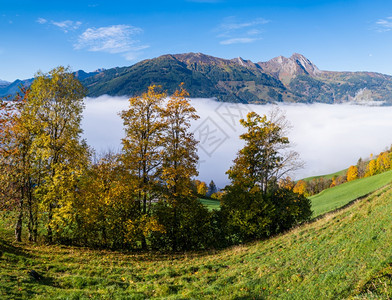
column 198, row 58
column 243, row 62
column 309, row 67
column 285, row 69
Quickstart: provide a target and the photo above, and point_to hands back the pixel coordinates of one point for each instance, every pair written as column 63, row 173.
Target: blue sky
column 335, row 35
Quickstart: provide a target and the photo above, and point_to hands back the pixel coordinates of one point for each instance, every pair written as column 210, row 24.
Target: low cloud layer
column 328, row 137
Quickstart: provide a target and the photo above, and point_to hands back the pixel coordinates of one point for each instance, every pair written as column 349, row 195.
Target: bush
column 254, row 215
column 187, row 226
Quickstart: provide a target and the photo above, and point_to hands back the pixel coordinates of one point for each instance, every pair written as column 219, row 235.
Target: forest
column 57, row 189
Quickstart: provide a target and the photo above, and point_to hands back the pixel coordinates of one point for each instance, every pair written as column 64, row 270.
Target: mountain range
column 294, row 80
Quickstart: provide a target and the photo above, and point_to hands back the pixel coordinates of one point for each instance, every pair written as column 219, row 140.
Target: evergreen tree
column 212, row 189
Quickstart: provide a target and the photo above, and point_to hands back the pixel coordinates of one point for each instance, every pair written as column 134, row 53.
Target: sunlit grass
column 340, row 195
column 327, row 176
column 211, row 203
column 338, row 256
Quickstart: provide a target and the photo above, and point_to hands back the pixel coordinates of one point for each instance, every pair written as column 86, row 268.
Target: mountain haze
column 293, row 80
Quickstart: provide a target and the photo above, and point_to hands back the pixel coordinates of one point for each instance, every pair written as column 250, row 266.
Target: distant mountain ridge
column 11, row 88
column 4, row 83
column 294, row 80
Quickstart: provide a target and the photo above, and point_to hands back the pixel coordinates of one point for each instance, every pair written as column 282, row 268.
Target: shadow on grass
column 8, row 247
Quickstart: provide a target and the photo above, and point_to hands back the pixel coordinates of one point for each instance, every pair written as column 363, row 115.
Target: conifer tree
column 212, row 189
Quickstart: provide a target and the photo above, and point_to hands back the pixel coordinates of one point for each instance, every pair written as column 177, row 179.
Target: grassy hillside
column 344, row 254
column 327, row 176
column 340, row 195
column 211, row 203
column 335, row 197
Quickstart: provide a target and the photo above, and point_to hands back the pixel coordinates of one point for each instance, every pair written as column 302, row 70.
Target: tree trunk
column 49, row 227
column 19, row 222
column 31, row 222
column 175, row 231
column 18, row 226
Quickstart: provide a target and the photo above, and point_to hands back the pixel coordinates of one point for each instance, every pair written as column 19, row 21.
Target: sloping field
column 211, row 203
column 340, row 195
column 327, row 176
column 345, row 254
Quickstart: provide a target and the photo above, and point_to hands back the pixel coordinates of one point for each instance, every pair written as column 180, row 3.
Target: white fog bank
column 328, row 137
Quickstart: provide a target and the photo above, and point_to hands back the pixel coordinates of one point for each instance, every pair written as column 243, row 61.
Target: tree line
column 364, row 168
column 144, row 197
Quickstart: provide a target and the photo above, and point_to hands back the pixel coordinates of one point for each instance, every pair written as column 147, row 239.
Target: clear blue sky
column 336, row 35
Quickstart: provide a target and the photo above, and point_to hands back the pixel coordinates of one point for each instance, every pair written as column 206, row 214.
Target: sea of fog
column 327, row 137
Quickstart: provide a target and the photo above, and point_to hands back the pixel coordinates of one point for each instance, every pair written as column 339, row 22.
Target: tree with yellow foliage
column 300, row 187
column 142, row 146
column 47, row 154
column 17, row 130
column 202, row 188
column 179, row 166
column 264, row 159
column 371, row 168
column 352, row 173
column 383, row 162
column 254, row 204
column 56, row 101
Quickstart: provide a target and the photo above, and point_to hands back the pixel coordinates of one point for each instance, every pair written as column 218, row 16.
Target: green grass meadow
column 340, row 195
column 337, row 196
column 327, row 176
column 346, row 254
column 211, row 203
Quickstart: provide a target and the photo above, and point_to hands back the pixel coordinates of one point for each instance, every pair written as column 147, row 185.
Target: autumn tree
column 107, row 209
column 142, row 146
column 202, row 189
column 333, row 181
column 352, row 173
column 253, row 199
column 16, row 162
column 300, row 187
column 56, row 100
column 41, row 139
column 340, row 180
column 371, row 168
column 383, row 162
column 265, row 158
column 179, row 166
